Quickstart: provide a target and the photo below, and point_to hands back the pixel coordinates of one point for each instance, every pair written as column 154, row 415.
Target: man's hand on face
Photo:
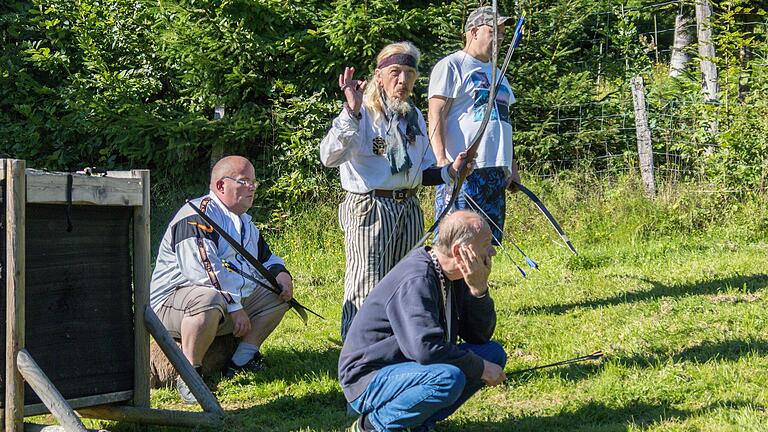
column 475, row 269
column 493, row 374
column 286, row 283
column 241, row 324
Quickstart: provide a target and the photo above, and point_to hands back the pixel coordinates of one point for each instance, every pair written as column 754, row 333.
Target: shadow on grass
column 290, row 366
column 596, row 416
column 720, row 351
column 729, row 350
column 747, row 284
column 319, row 411
column 573, row 372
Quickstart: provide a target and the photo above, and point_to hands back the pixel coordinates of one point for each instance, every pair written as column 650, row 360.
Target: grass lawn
column 674, row 292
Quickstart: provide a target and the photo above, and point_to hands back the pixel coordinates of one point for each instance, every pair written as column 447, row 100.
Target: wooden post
column 176, row 357
column 656, row 38
column 706, row 50
column 218, row 149
column 48, row 393
column 15, row 231
column 643, row 133
column 679, row 60
column 32, row 427
column 152, row 416
column 142, row 273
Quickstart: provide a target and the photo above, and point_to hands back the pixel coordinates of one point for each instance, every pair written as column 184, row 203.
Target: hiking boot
column 184, row 392
column 254, row 365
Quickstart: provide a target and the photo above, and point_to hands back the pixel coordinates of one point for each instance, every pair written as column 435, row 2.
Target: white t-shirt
column 466, row 80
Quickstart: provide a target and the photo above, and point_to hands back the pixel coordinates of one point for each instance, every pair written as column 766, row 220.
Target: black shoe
column 184, row 392
column 254, row 365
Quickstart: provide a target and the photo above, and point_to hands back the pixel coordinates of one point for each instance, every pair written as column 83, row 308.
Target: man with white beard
column 380, row 144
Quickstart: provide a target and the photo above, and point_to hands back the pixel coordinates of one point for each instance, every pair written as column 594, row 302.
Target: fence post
column 643, row 133
column 706, row 50
column 218, row 148
column 679, row 60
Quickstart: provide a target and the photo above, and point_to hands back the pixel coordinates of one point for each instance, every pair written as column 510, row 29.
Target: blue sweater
column 402, row 320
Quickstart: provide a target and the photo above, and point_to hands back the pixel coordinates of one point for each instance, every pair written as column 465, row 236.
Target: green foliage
column 134, row 83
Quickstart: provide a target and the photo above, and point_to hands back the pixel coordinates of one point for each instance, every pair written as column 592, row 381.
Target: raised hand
column 353, row 89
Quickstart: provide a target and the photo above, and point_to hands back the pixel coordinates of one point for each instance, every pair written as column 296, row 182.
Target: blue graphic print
column 487, row 188
column 482, row 91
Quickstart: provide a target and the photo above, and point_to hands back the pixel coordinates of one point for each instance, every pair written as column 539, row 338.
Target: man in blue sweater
column 400, row 366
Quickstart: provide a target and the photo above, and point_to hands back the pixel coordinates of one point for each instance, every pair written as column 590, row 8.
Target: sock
column 244, row 353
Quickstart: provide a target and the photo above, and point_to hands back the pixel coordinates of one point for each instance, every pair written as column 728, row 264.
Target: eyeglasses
column 243, row 182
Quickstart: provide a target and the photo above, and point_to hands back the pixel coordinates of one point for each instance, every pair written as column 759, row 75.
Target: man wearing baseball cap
column 459, row 87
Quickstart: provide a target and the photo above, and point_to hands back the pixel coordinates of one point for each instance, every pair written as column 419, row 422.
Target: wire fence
column 601, row 136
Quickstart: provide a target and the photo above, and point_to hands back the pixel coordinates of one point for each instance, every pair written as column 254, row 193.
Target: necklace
column 444, row 292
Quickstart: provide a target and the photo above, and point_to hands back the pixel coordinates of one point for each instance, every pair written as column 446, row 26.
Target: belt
column 397, row 195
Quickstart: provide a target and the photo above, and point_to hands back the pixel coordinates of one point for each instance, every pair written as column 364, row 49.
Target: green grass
column 674, row 292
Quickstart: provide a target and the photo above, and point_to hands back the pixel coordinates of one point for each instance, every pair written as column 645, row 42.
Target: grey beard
column 400, row 107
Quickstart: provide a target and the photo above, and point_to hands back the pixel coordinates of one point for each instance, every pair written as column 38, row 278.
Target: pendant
column 379, row 146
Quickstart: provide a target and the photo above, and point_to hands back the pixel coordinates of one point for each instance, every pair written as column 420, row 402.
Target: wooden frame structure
column 123, row 188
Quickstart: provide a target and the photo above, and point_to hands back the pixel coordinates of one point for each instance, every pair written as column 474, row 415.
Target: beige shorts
column 192, row 300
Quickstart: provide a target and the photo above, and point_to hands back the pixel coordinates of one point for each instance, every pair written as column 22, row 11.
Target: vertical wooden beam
column 48, row 393
column 217, row 151
column 643, row 134
column 679, row 60
column 15, row 216
column 142, row 273
column 706, row 50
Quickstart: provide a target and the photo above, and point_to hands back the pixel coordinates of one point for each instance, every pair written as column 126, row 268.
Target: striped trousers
column 378, row 232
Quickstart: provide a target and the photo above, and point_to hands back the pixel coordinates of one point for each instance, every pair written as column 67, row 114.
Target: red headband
column 401, row 59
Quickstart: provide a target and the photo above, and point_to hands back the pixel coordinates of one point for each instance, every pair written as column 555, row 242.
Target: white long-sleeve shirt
column 349, row 145
column 191, row 253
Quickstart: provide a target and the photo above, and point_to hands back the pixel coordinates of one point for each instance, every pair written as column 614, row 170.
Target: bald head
column 230, row 166
column 232, row 181
column 459, row 227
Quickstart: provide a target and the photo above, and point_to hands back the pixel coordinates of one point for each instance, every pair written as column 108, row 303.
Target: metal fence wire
column 601, row 136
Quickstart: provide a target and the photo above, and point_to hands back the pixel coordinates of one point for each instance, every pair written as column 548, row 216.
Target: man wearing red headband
column 459, row 87
column 380, row 145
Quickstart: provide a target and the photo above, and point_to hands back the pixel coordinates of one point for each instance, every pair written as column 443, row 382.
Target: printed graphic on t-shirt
column 480, row 96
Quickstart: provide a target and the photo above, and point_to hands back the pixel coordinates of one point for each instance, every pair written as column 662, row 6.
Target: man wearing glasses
column 459, row 87
column 198, row 288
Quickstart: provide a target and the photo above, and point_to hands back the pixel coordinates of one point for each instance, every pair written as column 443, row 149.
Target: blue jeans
column 412, row 395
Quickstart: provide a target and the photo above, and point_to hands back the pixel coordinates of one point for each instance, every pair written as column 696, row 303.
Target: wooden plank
column 142, row 274
column 643, row 133
column 51, row 188
column 48, row 393
column 152, row 416
column 33, row 427
column 84, row 402
column 15, row 295
column 195, row 382
column 120, row 174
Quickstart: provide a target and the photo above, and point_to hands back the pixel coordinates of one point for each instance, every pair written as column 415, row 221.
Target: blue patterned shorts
column 484, row 192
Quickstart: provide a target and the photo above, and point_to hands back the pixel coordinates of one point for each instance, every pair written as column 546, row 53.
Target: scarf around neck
column 396, row 140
